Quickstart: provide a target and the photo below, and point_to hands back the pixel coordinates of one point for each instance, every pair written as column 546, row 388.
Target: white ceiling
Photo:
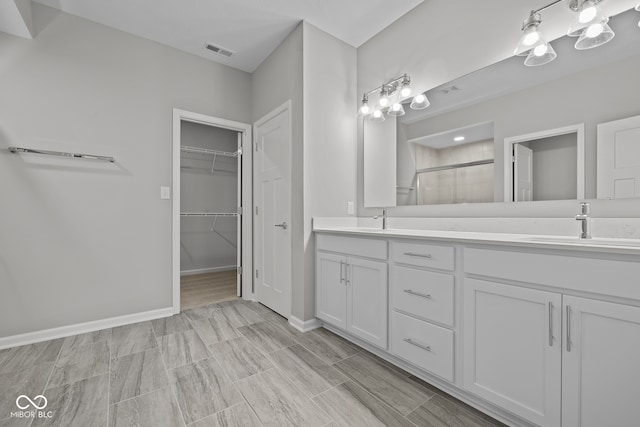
column 473, row 133
column 251, row 28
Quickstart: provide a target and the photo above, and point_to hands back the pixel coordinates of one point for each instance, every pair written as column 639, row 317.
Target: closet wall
column 208, row 243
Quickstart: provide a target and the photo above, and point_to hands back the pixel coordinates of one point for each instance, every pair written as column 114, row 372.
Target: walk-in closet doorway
column 212, row 225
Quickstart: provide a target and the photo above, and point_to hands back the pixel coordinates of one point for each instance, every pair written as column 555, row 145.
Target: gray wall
column 554, row 167
column 456, row 44
column 329, row 140
column 79, row 240
column 201, row 247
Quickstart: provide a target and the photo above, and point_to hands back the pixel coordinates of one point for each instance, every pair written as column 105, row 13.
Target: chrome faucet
column 585, row 217
column 384, row 218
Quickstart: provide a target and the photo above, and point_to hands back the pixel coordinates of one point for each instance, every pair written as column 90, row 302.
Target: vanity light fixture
column 390, row 99
column 590, row 26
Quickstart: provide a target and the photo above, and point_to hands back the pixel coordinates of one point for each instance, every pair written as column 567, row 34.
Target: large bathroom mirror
column 462, row 148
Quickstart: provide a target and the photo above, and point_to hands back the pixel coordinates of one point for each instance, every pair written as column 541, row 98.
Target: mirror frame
column 508, row 156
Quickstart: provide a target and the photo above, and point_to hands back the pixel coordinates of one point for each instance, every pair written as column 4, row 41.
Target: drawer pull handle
column 418, row 294
column 422, row 346
column 418, row 255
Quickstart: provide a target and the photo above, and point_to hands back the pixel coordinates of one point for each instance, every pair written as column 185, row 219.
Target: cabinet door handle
column 347, row 269
column 418, row 255
column 568, row 328
column 550, row 324
column 418, row 294
column 341, row 273
column 422, row 346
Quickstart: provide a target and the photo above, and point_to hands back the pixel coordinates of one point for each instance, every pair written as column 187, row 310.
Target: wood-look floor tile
column 155, row 409
column 76, row 341
column 326, row 345
column 386, row 384
column 171, row 325
column 352, row 406
column 441, row 412
column 136, row 374
column 203, row 389
column 200, row 313
column 79, row 363
column 15, row 422
column 267, row 336
column 237, row 416
column 257, row 307
column 278, row 403
column 18, row 358
column 215, row 329
column 83, row 403
column 311, row 374
column 272, row 316
column 29, row 381
column 132, row 339
column 239, row 358
column 239, row 315
column 182, row 348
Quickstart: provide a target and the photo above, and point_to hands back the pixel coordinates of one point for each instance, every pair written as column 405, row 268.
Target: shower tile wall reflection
column 472, row 184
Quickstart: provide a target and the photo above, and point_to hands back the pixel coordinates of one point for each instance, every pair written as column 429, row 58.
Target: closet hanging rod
column 209, row 214
column 207, row 151
column 61, row 154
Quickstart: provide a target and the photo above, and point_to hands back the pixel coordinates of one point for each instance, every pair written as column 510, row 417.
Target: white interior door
column 618, row 159
column 522, row 173
column 272, row 216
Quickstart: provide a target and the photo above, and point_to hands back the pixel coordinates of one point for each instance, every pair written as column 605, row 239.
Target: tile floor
column 234, row 363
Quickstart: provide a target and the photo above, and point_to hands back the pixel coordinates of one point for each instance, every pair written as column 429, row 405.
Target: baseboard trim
column 207, row 270
column 306, row 325
column 82, row 328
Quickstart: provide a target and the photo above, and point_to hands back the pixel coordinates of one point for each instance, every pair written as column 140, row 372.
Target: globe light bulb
column 540, row 50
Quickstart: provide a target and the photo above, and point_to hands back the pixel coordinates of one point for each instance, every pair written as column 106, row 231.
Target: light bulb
column 396, row 106
column 364, row 110
column 383, row 101
column 405, row 91
column 377, row 114
column 420, row 98
column 540, row 50
column 594, row 30
column 587, row 14
column 531, row 38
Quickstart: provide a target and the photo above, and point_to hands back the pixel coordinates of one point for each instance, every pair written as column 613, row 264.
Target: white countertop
column 618, row 246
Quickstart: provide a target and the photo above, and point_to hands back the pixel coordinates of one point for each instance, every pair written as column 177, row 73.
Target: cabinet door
column 512, row 349
column 601, row 363
column 331, row 289
column 367, row 300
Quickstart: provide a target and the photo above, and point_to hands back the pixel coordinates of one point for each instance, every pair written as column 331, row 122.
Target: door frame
column 284, row 107
column 509, row 142
column 247, row 198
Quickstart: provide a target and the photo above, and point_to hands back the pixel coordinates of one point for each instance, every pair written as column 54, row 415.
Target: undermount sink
column 586, row 242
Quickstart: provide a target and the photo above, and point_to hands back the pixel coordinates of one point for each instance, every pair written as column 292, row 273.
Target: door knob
column 283, row 225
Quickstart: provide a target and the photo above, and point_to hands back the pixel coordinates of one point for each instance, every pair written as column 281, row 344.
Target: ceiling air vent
column 218, row 50
column 447, row 90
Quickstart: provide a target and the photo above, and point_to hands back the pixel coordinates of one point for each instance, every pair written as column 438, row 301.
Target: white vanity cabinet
column 352, row 286
column 512, row 348
column 552, row 358
column 601, row 365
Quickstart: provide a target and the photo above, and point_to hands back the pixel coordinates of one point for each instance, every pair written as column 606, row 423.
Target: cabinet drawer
column 424, row 294
column 368, row 248
column 425, row 345
column 423, row 255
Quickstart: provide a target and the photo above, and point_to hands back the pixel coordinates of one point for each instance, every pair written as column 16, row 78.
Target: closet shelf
column 209, row 214
column 208, row 152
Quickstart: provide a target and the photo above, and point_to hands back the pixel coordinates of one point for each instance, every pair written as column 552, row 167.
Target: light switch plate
column 350, row 208
column 165, row 193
